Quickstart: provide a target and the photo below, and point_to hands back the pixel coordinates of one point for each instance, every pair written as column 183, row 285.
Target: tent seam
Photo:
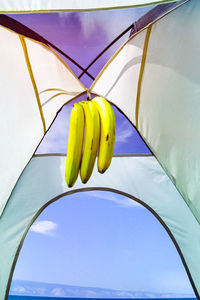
column 128, row 40
column 48, row 45
column 106, row 48
column 28, row 63
column 115, row 155
column 85, row 9
column 144, row 55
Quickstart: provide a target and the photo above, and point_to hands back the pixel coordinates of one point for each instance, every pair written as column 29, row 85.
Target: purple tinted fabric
column 83, row 36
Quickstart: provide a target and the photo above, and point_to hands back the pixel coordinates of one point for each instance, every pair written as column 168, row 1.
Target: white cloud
column 94, row 23
column 44, row 227
column 120, row 200
column 58, row 292
column 123, row 133
column 108, row 21
column 89, row 24
column 19, row 290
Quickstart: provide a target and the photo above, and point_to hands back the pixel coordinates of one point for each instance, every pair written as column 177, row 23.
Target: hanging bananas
column 94, row 122
column 91, row 143
column 107, row 139
column 75, row 143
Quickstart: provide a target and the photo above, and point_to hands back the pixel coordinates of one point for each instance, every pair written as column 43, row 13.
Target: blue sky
column 100, row 239
column 97, row 239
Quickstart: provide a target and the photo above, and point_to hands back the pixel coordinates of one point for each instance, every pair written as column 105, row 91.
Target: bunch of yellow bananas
column 92, row 129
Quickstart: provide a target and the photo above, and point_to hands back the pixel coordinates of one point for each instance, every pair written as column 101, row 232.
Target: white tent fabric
column 26, row 114
column 162, row 101
column 16, row 6
column 122, row 71
column 153, row 79
column 136, row 176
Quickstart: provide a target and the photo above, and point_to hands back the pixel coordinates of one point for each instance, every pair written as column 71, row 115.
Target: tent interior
column 144, row 59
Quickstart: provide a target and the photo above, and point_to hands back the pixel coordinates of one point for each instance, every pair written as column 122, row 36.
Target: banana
column 91, row 142
column 75, row 143
column 107, row 135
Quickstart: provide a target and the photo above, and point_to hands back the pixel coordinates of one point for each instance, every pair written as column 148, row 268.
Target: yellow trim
column 62, row 61
column 53, row 10
column 53, row 89
column 58, row 94
column 129, row 39
column 22, row 40
column 50, row 50
column 144, row 55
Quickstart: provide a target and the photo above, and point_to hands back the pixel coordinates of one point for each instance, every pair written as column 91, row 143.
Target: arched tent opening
column 123, row 212
column 153, row 79
column 50, row 183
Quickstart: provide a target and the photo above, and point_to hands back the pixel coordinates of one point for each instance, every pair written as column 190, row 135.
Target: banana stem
column 88, row 95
